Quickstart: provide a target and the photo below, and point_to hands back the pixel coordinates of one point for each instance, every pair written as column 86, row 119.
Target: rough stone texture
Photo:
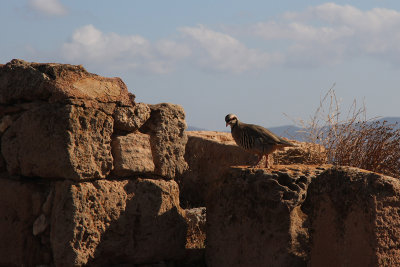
column 209, row 154
column 57, row 121
column 5, row 122
column 59, row 141
column 254, row 217
column 354, row 219
column 22, row 81
column 168, row 138
column 302, row 153
column 195, row 238
column 303, row 216
column 99, row 223
column 196, row 233
column 112, row 222
column 20, row 206
column 130, row 119
column 132, row 155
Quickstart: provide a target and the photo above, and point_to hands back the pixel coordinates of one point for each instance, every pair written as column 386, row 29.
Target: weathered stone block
column 59, row 141
column 166, row 128
column 196, row 231
column 132, row 154
column 20, row 206
column 354, row 219
column 22, row 81
column 254, row 218
column 303, row 216
column 130, row 119
column 108, row 222
column 209, row 154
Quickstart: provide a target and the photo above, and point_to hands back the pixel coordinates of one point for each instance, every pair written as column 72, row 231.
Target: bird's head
column 231, row 119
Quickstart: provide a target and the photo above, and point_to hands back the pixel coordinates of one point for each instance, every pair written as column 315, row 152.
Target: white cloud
column 91, row 46
column 331, row 33
column 199, row 45
column 222, row 52
column 48, row 7
column 300, row 32
column 318, row 36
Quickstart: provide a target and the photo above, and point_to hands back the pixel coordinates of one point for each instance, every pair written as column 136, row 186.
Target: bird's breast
column 243, row 140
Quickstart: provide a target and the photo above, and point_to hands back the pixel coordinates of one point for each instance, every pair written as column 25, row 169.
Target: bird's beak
column 227, row 124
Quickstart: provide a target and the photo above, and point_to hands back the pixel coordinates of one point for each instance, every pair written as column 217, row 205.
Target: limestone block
column 254, row 218
column 196, row 231
column 22, row 81
column 104, row 222
column 354, row 219
column 59, row 141
column 20, row 206
column 130, row 119
column 166, row 127
column 132, row 155
column 209, row 154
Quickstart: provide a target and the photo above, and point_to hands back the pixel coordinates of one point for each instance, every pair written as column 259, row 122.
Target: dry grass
column 353, row 140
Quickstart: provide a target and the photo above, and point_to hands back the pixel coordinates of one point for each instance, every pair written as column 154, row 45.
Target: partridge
column 255, row 138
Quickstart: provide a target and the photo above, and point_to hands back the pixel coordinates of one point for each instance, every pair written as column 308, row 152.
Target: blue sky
column 257, row 59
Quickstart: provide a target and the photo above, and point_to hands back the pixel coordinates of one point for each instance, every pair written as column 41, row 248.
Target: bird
column 255, row 138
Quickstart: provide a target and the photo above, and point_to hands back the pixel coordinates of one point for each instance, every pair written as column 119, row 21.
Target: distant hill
column 193, row 128
column 391, row 120
column 293, row 132
column 288, row 131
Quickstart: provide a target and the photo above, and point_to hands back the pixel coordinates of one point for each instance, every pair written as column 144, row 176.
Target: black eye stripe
column 230, row 118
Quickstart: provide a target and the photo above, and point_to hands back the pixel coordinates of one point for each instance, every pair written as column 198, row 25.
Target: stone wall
column 87, row 174
column 303, row 216
column 89, row 177
column 304, row 213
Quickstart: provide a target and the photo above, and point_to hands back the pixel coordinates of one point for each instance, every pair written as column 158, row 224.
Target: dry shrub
column 302, row 153
column 354, row 140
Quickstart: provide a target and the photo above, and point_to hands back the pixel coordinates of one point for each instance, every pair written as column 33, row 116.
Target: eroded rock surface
column 59, row 141
column 132, row 155
column 22, row 81
column 57, row 121
column 109, row 222
column 254, row 217
column 209, row 154
column 303, row 215
column 168, row 138
column 20, row 206
column 130, row 119
column 354, row 219
column 77, row 138
column 196, row 236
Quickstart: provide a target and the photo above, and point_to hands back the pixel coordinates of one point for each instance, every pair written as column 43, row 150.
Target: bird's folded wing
column 260, row 132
